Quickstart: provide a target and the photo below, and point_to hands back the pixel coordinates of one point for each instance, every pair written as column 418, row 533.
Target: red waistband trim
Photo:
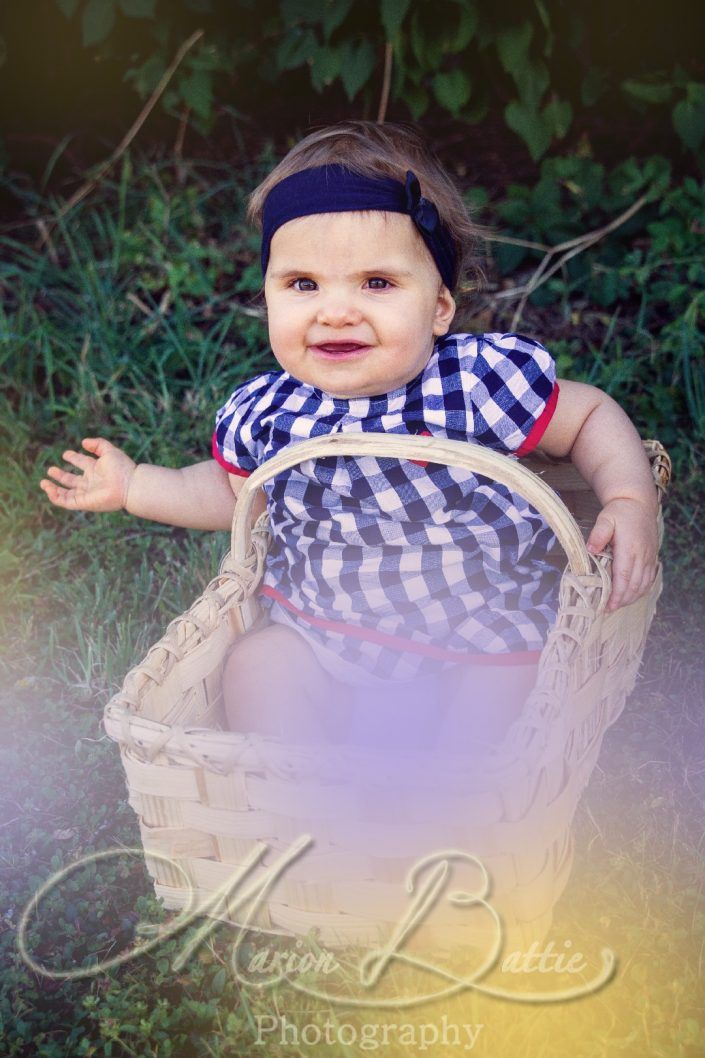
column 517, row 657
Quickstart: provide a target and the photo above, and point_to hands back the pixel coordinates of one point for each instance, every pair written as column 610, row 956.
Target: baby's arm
column 607, row 450
column 200, row 496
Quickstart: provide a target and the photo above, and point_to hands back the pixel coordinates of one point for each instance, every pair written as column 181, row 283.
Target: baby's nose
column 337, row 311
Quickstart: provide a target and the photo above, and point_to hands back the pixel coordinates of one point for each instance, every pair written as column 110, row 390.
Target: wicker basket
column 207, row 797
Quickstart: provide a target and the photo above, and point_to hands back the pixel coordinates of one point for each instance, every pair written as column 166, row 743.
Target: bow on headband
column 423, row 213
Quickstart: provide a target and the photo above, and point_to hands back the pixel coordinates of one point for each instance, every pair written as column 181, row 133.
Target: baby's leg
column 396, row 716
column 273, row 685
column 481, row 703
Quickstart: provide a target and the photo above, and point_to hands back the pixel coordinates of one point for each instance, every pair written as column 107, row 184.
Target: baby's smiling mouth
column 339, row 349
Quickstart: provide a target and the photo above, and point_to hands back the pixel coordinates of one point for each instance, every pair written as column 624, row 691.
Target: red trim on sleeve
column 230, row 467
column 517, row 657
column 539, row 428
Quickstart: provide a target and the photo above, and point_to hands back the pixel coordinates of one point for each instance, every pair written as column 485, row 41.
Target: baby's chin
column 347, row 379
column 346, row 384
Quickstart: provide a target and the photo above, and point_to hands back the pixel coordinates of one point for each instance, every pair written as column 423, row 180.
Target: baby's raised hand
column 101, row 484
column 630, row 526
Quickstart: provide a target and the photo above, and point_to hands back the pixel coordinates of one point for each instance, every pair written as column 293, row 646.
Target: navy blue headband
column 334, row 189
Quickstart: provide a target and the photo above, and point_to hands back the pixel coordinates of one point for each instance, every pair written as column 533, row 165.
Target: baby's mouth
column 339, row 350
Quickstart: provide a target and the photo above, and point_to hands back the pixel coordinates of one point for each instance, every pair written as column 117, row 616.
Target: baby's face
column 361, row 278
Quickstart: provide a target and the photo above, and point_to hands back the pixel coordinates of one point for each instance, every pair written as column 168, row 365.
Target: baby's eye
column 301, row 279
column 378, row 279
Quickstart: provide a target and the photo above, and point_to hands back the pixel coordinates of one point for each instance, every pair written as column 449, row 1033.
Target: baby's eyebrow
column 399, row 273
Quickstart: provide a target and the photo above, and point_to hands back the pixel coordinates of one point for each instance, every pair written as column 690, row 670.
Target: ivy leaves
column 454, row 54
column 689, row 116
column 538, row 124
column 98, row 16
column 392, row 14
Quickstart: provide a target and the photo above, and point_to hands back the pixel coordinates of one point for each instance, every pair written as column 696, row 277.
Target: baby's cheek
column 284, row 344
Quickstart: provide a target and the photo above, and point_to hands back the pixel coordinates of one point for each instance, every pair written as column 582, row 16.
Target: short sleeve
column 513, row 392
column 235, row 443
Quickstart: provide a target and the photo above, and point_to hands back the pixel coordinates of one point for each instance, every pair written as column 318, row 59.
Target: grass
column 136, row 324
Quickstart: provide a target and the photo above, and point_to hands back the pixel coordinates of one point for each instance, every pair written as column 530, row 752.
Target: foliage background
column 131, row 313
column 545, row 69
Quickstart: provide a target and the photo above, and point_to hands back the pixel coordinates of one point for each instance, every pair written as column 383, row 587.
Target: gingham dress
column 393, row 569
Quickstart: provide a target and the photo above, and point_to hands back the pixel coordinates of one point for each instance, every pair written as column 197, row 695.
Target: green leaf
column 196, row 90
column 392, row 14
column 647, row 91
column 401, row 72
column 583, row 178
column 296, row 49
column 513, row 46
column 689, row 116
column 546, row 20
column 208, row 57
column 508, row 257
column 530, row 125
column 357, row 62
column 417, row 99
column 335, row 13
column 465, row 30
column 147, row 76
column 170, row 100
column 429, row 37
column 417, row 35
column 545, row 205
column 67, row 7
column 452, row 90
column 532, row 80
column 434, row 48
column 138, row 8
column 296, row 11
column 325, row 67
column 218, row 982
column 98, row 20
column 559, row 115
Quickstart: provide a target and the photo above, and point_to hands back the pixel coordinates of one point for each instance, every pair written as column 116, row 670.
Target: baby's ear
column 445, row 310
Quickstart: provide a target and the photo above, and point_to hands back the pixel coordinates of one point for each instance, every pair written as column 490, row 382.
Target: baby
column 427, row 584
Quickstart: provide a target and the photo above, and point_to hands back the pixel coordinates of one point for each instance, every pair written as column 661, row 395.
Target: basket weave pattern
column 205, row 796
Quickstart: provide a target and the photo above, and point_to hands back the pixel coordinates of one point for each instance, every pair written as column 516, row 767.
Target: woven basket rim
column 583, row 595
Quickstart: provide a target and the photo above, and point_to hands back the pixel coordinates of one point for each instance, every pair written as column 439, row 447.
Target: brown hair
column 374, row 149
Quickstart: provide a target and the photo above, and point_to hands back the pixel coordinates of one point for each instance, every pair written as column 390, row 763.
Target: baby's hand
column 630, row 526
column 102, row 484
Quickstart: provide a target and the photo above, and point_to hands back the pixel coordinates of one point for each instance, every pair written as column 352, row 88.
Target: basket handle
column 471, row 457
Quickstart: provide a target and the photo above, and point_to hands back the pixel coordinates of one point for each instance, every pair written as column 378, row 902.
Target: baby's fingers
column 60, row 497
column 619, row 584
column 77, row 459
column 622, row 581
column 64, row 477
column 621, row 577
column 98, row 446
column 601, row 534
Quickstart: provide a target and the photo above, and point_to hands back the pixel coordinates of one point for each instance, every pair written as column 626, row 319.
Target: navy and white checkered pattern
column 447, row 560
